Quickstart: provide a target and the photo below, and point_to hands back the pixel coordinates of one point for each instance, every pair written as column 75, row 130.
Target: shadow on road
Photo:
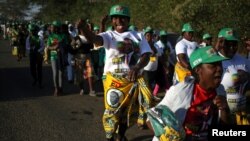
column 16, row 80
column 143, row 138
column 16, row 83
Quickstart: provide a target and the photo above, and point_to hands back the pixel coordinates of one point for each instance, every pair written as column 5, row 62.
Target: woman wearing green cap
column 236, row 75
column 206, row 40
column 56, row 44
column 183, row 49
column 35, row 45
column 127, row 52
column 197, row 100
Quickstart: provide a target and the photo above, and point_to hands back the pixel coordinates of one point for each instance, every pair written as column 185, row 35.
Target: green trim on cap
column 205, row 55
column 206, row 36
column 163, row 33
column 119, row 10
column 96, row 28
column 228, row 34
column 132, row 28
column 56, row 23
column 109, row 28
column 31, row 27
column 187, row 28
column 148, row 29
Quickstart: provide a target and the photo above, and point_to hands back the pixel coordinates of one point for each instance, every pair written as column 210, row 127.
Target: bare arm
column 224, row 112
column 103, row 23
column 183, row 60
column 90, row 36
column 133, row 74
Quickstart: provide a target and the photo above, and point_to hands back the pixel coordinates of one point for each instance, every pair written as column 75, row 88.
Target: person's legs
column 70, row 70
column 156, row 89
column 110, row 123
column 122, row 130
column 60, row 81
column 33, row 68
column 89, row 76
column 39, row 69
column 54, row 71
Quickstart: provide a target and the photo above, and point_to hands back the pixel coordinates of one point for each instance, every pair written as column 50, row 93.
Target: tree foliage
column 204, row 15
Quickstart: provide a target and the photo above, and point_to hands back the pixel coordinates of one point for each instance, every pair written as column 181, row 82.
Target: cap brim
column 231, row 39
column 119, row 15
column 214, row 59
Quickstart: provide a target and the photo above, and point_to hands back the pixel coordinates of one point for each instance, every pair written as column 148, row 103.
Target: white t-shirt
column 115, row 61
column 235, row 97
column 186, row 47
column 172, row 55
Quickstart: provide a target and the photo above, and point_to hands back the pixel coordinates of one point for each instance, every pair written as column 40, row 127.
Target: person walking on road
column 183, row 50
column 84, row 67
column 127, row 53
column 56, row 44
column 35, row 47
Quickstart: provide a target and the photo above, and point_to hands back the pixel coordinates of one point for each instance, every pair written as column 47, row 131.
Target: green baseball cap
column 205, row 55
column 96, row 28
column 31, row 27
column 132, row 28
column 109, row 28
column 163, row 33
column 148, row 29
column 206, row 36
column 228, row 34
column 187, row 28
column 56, row 23
column 119, row 10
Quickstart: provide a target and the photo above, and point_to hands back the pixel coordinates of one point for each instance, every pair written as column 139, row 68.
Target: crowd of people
column 206, row 83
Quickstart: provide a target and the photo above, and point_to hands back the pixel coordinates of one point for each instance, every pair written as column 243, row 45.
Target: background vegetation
column 204, row 15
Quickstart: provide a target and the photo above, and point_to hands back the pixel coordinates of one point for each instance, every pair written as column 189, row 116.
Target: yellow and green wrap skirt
column 181, row 72
column 125, row 102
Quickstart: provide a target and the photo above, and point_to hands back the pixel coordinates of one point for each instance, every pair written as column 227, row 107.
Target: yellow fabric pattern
column 241, row 118
column 14, row 51
column 181, row 72
column 135, row 99
column 171, row 135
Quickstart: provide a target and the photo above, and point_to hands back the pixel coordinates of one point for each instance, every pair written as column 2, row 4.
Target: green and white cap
column 187, row 28
column 228, row 34
column 119, row 10
column 56, row 23
column 205, row 55
column 31, row 27
column 148, row 29
column 132, row 28
column 206, row 36
column 96, row 28
column 163, row 33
